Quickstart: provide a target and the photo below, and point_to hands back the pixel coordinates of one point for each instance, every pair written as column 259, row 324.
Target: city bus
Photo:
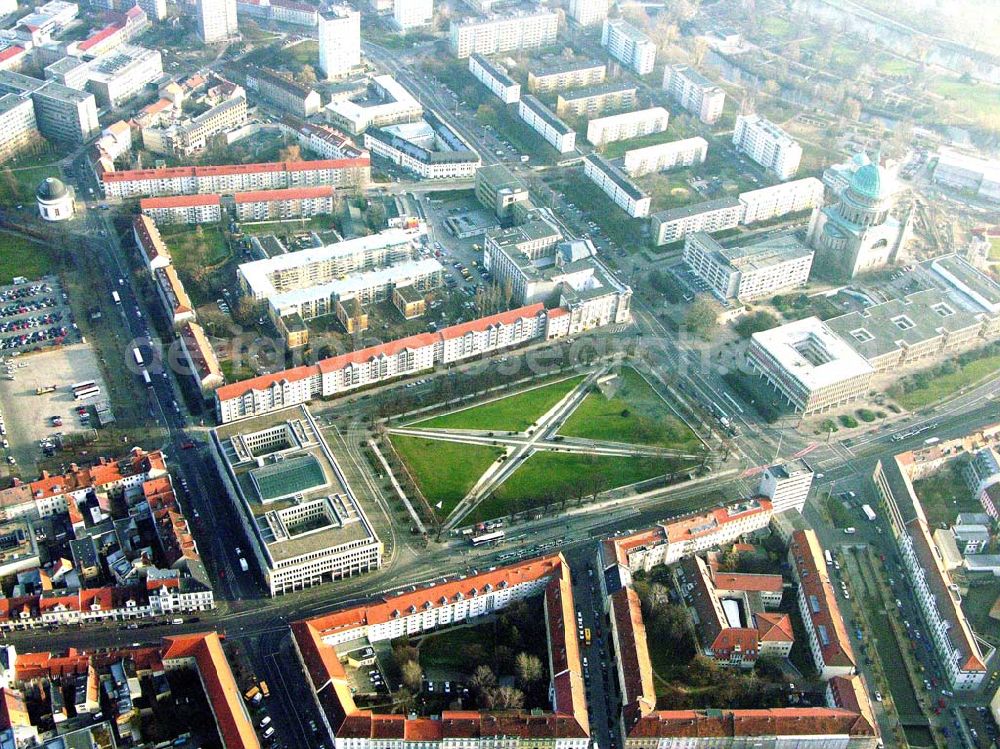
column 489, row 539
column 83, row 395
column 868, row 511
column 138, row 356
column 86, row 384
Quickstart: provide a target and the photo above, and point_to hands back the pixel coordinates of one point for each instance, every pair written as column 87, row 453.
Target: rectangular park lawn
column 512, row 413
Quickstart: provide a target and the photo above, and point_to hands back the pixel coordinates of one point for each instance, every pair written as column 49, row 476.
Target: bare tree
column 528, row 669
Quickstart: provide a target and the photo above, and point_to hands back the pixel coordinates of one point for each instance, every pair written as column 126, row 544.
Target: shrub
column 848, row 421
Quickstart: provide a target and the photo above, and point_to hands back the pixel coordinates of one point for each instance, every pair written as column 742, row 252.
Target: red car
column 187, row 445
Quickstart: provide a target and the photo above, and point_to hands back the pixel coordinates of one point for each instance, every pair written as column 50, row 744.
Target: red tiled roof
column 391, row 348
column 330, row 684
column 178, row 201
column 294, row 193
column 774, row 627
column 810, row 567
column 747, row 582
column 223, row 693
column 633, row 655
column 100, row 36
column 226, row 169
column 10, row 52
column 150, row 239
column 788, row 721
column 200, row 350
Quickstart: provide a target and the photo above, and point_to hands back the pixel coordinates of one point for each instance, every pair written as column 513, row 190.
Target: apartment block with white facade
column 495, row 78
column 747, row 272
column 503, row 33
column 183, row 209
column 18, row 128
column 408, row 15
column 428, row 149
column 674, row 224
column 959, row 652
column 588, row 12
column 781, row 200
column 767, row 144
column 543, row 121
column 565, row 74
column 694, row 92
column 276, row 175
column 304, row 522
column 387, row 102
column 216, row 20
column 564, row 726
column 278, row 205
column 628, row 45
column 400, row 358
column 625, row 193
column 627, row 125
column 339, row 41
column 786, row 484
column 664, row 156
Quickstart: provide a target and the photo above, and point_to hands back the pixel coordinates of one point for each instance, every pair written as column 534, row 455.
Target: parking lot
column 28, row 416
column 34, row 316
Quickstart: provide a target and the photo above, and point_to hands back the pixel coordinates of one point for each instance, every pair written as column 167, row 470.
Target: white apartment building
column 400, row 358
column 543, row 121
column 627, row 125
column 809, row 365
column 628, row 45
column 673, row 155
column 18, row 128
column 674, row 224
column 339, row 41
column 274, row 205
column 323, row 140
column 829, row 642
column 495, row 79
column 781, row 200
column 694, row 92
column 963, row 172
column 669, row 543
column 503, row 33
column 767, row 144
column 787, row 485
column 283, row 11
column 957, row 648
column 425, row 150
column 412, row 14
column 625, row 193
column 183, row 209
column 588, row 12
column 748, row 272
column 566, row 74
column 395, row 104
column 217, row 20
column 227, row 179
column 192, row 136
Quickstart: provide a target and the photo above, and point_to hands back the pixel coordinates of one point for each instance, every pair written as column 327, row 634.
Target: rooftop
column 812, row 353
column 617, row 175
column 542, row 111
column 694, row 209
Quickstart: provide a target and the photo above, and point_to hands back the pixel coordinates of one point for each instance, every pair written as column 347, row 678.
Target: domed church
column 858, row 233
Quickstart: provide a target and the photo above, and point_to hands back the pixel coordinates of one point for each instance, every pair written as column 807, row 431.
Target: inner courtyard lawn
column 633, row 414
column 513, row 413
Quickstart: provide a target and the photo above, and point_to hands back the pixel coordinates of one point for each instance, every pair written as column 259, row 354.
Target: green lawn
column 979, row 102
column 634, row 414
column 896, row 66
column 190, row 250
column 446, row 649
column 595, row 204
column 22, row 257
column 550, row 475
column 777, row 27
column 444, row 471
column 21, row 176
column 513, row 413
column 994, row 248
column 944, row 495
column 977, row 604
column 941, row 387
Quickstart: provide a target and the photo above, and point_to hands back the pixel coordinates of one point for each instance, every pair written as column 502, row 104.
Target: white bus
column 868, row 511
column 116, row 297
column 489, row 539
column 829, row 558
column 138, row 357
column 83, row 395
column 85, row 385
column 146, row 378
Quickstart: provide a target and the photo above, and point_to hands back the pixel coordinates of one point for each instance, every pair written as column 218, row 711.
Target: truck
column 243, row 565
column 869, row 512
column 45, row 389
column 251, row 693
column 829, row 557
column 116, row 297
column 586, row 637
column 264, row 690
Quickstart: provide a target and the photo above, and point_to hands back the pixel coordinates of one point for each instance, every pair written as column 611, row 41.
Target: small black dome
column 52, row 188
